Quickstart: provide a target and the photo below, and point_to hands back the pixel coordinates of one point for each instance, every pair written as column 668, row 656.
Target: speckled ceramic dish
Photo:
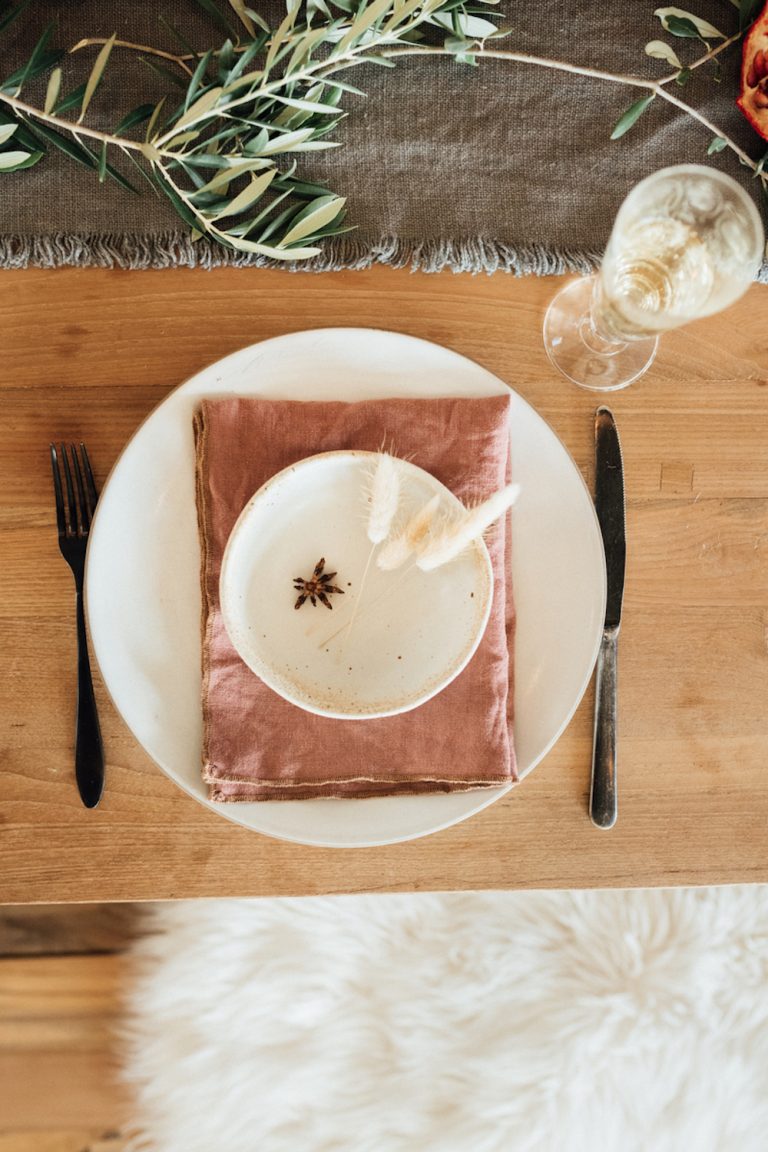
column 412, row 633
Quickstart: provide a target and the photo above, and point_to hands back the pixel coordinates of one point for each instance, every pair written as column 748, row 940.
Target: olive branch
column 225, row 152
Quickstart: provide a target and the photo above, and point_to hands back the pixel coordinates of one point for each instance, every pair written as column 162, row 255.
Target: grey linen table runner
column 505, row 166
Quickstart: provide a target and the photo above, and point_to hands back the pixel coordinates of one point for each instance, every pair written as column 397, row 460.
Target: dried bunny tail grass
column 469, row 526
column 384, row 496
column 396, row 551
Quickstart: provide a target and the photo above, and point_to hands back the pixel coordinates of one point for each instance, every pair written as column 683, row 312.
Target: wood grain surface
column 86, row 355
column 60, row 1007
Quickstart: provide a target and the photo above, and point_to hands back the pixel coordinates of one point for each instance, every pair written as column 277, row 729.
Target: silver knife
column 609, row 505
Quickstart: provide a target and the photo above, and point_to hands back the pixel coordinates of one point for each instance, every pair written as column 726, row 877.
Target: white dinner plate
column 143, row 576
column 398, row 650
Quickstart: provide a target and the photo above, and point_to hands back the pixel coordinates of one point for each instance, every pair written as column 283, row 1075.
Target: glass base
column 580, row 354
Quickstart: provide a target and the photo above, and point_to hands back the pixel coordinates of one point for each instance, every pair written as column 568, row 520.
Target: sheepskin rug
column 632, row 1021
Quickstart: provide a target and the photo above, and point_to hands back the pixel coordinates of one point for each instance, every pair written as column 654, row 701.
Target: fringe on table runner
column 175, row 249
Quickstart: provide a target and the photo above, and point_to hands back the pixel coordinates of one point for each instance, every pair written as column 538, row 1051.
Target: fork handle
column 89, row 751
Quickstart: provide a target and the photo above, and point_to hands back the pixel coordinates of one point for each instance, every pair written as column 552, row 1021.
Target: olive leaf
column 660, row 50
column 716, row 145
column 314, row 217
column 631, row 116
column 52, row 91
column 6, row 131
column 154, row 119
column 748, row 10
column 12, row 159
column 97, row 72
column 137, row 116
column 13, row 14
column 472, row 27
column 366, row 19
column 202, row 105
column 686, row 24
column 249, row 195
column 244, row 16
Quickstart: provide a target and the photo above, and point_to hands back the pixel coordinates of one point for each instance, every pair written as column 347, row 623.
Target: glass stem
column 593, row 332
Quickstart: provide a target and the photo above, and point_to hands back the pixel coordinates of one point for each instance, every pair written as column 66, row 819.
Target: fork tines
column 73, row 516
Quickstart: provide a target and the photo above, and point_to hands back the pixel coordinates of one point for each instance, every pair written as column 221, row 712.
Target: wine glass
column 687, row 242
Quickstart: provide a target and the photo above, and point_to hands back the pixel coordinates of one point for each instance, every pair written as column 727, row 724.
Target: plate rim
column 487, row 796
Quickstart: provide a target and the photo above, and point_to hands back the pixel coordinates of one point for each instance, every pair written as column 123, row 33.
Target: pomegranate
column 753, row 99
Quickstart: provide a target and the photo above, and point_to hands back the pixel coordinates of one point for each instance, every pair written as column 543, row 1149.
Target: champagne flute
column 687, row 242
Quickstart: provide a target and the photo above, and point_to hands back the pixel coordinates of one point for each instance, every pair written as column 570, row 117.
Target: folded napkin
column 256, row 745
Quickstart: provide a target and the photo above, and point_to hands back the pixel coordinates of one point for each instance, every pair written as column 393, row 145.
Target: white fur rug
column 525, row 1022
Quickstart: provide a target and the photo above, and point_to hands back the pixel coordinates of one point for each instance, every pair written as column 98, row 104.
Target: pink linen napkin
column 257, row 746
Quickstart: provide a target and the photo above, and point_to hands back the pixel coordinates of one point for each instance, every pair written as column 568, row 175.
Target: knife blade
column 610, row 508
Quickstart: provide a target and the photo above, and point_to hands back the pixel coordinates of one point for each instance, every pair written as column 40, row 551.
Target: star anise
column 318, row 587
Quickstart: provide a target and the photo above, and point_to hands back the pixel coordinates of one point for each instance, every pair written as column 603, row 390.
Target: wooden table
column 87, row 354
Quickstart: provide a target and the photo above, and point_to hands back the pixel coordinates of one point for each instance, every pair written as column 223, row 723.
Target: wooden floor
column 62, row 973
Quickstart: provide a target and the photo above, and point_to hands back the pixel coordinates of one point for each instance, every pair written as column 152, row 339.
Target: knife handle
column 603, row 804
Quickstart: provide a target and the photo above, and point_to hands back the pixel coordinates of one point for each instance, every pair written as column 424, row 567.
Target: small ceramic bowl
column 413, row 632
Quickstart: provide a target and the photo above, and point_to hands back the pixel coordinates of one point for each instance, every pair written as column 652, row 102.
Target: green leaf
column 182, row 210
column 315, row 216
column 97, row 72
column 12, row 159
column 243, row 82
column 306, row 45
column 631, row 116
column 78, row 152
column 154, row 119
column 118, row 177
column 243, row 245
column 226, row 60
column 179, row 36
column 249, row 195
column 217, row 17
column 685, row 24
column 279, row 36
column 38, row 62
column 166, row 73
column 32, row 159
column 244, row 60
column 73, row 100
column 202, row 105
column 246, row 226
column 716, row 145
column 307, row 105
column 52, row 91
column 197, row 78
column 23, row 138
column 311, row 146
column 137, row 116
column 682, row 27
column 6, row 131
column 470, row 26
column 286, row 141
column 342, row 86
column 13, row 14
column 367, row 16
column 222, row 179
column 683, row 77
column 748, row 10
column 244, row 16
column 382, row 60
column 660, row 50
column 103, row 162
column 69, row 147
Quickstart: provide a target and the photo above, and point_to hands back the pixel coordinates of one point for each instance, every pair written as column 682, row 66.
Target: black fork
column 75, row 505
